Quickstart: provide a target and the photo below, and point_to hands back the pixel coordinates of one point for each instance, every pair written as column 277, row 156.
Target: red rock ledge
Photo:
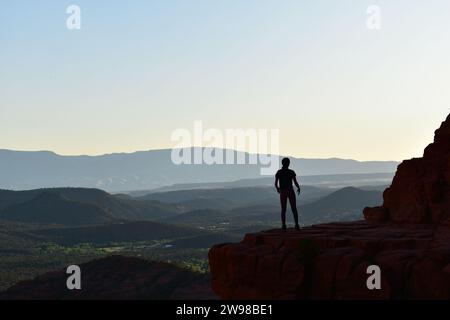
column 330, row 261
column 408, row 237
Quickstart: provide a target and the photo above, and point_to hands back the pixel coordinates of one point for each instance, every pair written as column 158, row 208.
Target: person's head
column 285, row 162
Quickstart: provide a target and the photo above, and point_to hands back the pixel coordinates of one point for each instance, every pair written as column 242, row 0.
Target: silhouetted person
column 285, row 177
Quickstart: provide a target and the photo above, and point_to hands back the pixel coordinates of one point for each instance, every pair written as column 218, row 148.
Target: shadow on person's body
column 283, row 183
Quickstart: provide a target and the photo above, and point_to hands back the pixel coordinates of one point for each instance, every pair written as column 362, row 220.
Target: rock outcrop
column 420, row 191
column 408, row 238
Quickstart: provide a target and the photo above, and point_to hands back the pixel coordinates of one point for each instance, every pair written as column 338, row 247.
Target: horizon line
column 191, row 147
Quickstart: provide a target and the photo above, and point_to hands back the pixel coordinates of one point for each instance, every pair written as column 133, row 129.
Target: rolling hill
column 117, row 277
column 342, row 205
column 49, row 208
column 229, row 198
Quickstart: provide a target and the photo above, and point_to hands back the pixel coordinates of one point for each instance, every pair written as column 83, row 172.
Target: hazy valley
column 47, row 229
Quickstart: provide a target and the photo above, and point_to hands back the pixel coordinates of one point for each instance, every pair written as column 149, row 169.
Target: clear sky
column 137, row 70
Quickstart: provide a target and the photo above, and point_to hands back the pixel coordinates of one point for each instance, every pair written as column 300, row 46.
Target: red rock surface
column 408, row 237
column 330, row 261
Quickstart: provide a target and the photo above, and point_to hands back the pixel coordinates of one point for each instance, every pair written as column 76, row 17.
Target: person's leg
column 283, row 201
column 293, row 203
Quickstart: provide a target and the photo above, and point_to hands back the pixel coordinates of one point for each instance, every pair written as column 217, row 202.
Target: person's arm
column 276, row 183
column 297, row 185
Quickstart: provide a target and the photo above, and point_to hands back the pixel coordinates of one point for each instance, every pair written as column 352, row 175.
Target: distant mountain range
column 361, row 180
column 119, row 172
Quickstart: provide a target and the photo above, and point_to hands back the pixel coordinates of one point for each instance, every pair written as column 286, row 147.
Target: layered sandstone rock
column 408, row 237
column 330, row 261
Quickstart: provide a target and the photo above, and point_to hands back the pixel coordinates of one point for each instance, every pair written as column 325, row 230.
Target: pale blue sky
column 137, row 70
